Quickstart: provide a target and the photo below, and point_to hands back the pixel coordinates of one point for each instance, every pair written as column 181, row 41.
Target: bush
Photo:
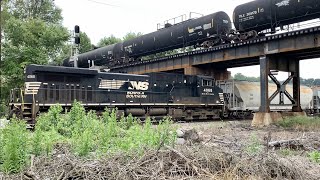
column 85, row 131
column 50, row 120
column 14, row 146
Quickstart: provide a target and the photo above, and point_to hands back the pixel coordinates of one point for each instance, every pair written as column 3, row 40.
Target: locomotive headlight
column 217, row 101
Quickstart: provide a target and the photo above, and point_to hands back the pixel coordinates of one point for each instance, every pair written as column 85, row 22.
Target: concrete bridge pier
column 269, row 65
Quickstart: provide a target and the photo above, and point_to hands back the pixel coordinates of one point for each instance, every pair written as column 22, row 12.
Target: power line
column 106, row 4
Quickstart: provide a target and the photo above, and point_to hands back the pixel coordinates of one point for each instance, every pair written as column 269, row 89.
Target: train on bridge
column 250, row 20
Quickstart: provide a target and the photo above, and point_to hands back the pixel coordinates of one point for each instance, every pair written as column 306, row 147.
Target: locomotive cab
column 208, row 91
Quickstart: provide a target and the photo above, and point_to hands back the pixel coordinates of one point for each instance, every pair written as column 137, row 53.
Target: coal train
column 252, row 19
column 181, row 96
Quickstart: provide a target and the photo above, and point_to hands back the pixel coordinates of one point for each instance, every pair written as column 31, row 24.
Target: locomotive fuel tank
column 186, row 33
column 259, row 15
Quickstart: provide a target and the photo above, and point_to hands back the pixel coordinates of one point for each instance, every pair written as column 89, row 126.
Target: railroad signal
column 77, row 34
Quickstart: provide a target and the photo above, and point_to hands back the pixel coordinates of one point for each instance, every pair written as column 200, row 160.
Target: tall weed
column 14, row 149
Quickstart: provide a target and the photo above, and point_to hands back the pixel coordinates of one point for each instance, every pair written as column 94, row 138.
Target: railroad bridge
column 279, row 52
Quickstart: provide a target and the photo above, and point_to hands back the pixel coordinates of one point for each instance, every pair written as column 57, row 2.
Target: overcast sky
column 100, row 18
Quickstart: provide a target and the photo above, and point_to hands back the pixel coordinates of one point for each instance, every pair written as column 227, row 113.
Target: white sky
column 99, row 20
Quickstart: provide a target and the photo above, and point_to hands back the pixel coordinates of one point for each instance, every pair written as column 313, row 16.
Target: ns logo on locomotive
column 139, row 85
column 180, row 96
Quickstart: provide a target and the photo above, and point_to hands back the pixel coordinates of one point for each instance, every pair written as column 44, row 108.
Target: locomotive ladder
column 25, row 111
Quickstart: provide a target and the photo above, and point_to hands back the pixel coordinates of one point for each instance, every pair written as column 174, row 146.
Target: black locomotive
column 250, row 19
column 154, row 94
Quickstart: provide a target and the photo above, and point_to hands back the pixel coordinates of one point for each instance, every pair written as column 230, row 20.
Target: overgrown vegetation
column 87, row 134
column 314, row 156
column 13, row 147
column 300, row 123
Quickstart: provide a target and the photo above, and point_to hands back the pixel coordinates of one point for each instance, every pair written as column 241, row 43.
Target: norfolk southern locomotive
column 154, row 94
column 250, row 20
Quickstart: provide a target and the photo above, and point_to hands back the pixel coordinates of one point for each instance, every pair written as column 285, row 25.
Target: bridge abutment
column 269, row 65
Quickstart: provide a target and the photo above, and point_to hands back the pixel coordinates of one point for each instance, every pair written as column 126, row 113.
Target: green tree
column 85, row 46
column 108, row 41
column 241, row 77
column 31, row 33
column 85, row 43
column 131, row 35
column 29, row 42
column 45, row 10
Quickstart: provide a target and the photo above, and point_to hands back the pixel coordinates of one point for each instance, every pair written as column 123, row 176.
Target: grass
column 287, row 152
column 300, row 123
column 314, row 156
column 254, row 147
column 85, row 132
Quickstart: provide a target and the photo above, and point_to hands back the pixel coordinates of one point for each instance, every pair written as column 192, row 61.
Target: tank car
column 208, row 30
column 155, row 94
column 187, row 33
column 260, row 15
column 243, row 97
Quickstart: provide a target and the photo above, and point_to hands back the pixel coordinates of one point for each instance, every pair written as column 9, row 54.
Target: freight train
column 252, row 19
column 156, row 94
column 180, row 96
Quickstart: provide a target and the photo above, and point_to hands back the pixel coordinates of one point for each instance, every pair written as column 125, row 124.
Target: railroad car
column 260, row 15
column 155, row 94
column 208, row 30
column 242, row 98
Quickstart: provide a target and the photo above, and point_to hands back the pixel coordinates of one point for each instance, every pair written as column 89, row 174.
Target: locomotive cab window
column 207, row 82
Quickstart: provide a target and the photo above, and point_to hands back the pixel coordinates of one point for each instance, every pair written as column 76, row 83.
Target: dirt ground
column 240, row 139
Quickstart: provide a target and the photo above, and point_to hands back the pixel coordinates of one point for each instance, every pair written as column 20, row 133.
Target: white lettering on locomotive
column 208, row 90
column 135, row 95
column 138, row 85
column 283, row 3
column 31, row 76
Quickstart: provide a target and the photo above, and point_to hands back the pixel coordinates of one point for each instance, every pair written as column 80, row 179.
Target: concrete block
column 265, row 119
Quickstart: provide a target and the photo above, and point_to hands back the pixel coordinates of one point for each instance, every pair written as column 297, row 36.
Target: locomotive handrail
column 22, row 99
